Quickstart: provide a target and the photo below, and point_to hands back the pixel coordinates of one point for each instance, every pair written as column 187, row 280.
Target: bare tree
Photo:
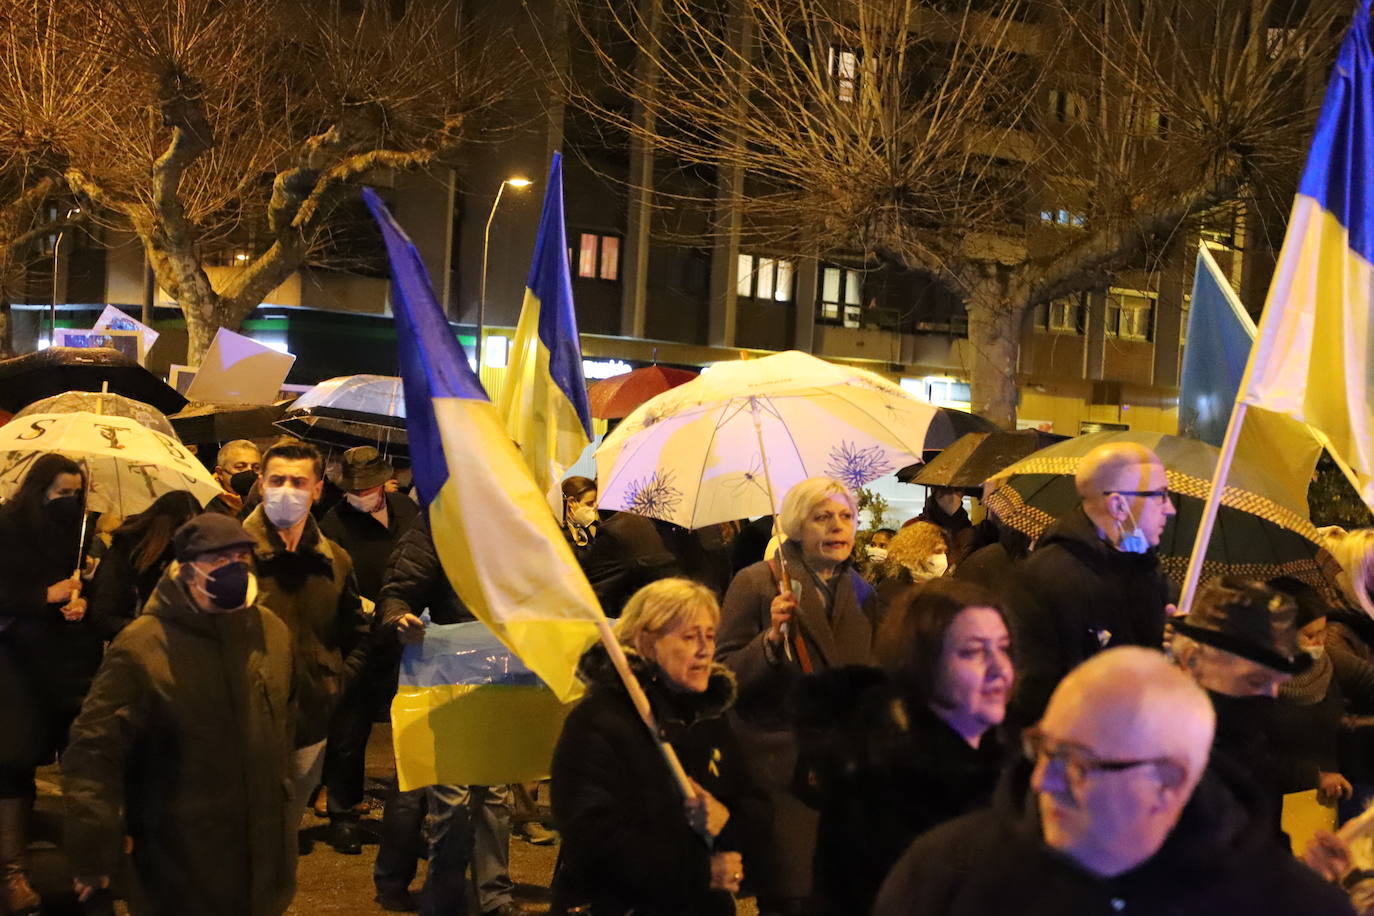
column 931, row 135
column 221, row 114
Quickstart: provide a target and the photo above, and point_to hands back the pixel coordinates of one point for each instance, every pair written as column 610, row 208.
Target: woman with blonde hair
column 631, row 844
column 807, row 610
column 918, row 553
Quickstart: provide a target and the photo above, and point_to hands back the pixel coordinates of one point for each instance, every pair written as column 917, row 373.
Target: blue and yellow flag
column 1220, row 337
column 544, row 396
column 499, row 546
column 1314, row 354
column 469, row 713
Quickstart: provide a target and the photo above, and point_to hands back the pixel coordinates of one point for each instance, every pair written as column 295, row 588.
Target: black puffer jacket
column 627, row 846
column 1219, row 859
column 881, row 772
column 415, row 580
column 1088, row 596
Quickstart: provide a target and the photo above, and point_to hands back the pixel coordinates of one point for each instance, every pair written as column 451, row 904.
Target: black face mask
column 226, row 587
column 242, row 482
column 65, row 510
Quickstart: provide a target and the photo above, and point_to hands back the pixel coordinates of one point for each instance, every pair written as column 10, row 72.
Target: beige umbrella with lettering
column 128, row 464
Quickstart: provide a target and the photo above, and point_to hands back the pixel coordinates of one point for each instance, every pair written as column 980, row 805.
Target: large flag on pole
column 544, row 396
column 499, row 546
column 1221, row 334
column 1314, row 354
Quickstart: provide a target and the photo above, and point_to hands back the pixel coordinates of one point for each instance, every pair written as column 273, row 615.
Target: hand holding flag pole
column 469, row 474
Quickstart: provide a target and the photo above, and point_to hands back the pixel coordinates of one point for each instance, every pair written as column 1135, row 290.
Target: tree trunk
column 6, row 328
column 994, row 335
column 201, row 328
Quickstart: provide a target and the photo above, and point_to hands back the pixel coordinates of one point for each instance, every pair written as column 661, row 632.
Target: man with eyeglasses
column 1113, row 810
column 1094, row 579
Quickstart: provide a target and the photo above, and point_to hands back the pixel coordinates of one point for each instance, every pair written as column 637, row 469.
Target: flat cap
column 209, row 532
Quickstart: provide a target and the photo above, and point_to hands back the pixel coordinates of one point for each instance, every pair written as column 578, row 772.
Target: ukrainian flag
column 544, row 395
column 1314, row 354
column 469, row 713
column 500, row 548
column 1220, row 337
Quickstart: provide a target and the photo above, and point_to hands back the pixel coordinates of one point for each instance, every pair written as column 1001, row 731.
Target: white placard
column 116, row 320
column 239, row 370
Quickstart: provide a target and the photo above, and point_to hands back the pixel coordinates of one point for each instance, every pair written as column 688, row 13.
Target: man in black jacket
column 466, row 824
column 1094, row 576
column 1116, row 810
column 367, row 523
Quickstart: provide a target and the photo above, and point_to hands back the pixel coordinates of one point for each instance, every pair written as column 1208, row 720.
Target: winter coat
column 369, row 543
column 46, row 661
column 1217, row 860
column 630, row 551
column 118, row 591
column 1307, row 721
column 313, row 590
column 184, row 743
column 880, row 771
column 415, row 581
column 997, row 568
column 834, row 635
column 1350, row 643
column 1088, row 596
column 627, row 846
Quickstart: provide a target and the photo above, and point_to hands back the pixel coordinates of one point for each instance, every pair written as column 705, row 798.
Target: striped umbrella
column 1260, row 532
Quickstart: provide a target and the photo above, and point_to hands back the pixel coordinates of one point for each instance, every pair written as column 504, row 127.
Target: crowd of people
column 946, row 720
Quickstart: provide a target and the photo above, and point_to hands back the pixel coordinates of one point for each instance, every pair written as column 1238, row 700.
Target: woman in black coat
column 139, row 551
column 888, row 753
column 631, row 844
column 48, row 651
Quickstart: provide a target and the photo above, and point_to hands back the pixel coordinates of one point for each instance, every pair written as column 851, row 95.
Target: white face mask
column 876, row 554
column 285, row 506
column 937, row 564
column 368, row 504
column 585, row 516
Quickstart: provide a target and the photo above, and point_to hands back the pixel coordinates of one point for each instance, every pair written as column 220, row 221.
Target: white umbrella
column 730, row 443
column 129, row 465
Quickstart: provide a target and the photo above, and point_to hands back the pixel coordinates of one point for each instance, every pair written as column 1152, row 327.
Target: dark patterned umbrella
column 25, row 379
column 975, row 457
column 204, row 423
column 1259, row 532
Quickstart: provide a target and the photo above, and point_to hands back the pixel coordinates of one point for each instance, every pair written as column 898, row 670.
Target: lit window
column 841, row 296
column 765, row 278
column 586, row 260
column 1066, row 316
column 610, row 257
column 1130, row 314
column 844, row 67
column 598, row 256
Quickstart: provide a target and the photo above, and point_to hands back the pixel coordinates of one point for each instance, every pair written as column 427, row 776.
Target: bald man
column 1113, row 810
column 1093, row 579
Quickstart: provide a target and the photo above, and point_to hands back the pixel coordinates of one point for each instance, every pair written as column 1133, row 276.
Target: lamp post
column 517, row 183
column 56, row 247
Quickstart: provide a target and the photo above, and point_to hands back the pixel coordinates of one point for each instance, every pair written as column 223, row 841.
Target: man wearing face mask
column 307, row 580
column 236, row 470
column 192, row 703
column 1094, row 579
column 367, row 523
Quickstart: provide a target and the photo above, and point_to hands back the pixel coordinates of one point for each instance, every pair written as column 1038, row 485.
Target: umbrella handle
column 784, row 582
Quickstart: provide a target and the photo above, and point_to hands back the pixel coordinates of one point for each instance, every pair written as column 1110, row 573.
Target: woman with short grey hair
column 805, row 610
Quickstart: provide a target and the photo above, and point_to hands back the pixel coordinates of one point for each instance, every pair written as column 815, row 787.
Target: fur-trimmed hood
column 598, row 673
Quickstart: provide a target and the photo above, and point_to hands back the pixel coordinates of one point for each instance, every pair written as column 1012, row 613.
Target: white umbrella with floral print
column 730, row 443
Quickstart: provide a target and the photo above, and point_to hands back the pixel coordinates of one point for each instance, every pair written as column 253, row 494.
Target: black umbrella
column 948, row 426
column 976, row 457
column 352, row 410
column 203, row 423
column 1259, row 533
column 25, row 379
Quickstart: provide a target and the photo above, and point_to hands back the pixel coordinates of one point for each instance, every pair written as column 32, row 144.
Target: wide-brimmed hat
column 363, row 468
column 1249, row 619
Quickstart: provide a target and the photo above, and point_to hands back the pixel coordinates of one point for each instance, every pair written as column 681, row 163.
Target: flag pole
column 1209, row 509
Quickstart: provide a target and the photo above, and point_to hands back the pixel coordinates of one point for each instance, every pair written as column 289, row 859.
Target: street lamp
column 56, row 247
column 515, row 182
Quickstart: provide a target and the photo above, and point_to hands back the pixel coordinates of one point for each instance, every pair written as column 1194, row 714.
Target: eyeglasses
column 1143, row 494
column 1080, row 763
